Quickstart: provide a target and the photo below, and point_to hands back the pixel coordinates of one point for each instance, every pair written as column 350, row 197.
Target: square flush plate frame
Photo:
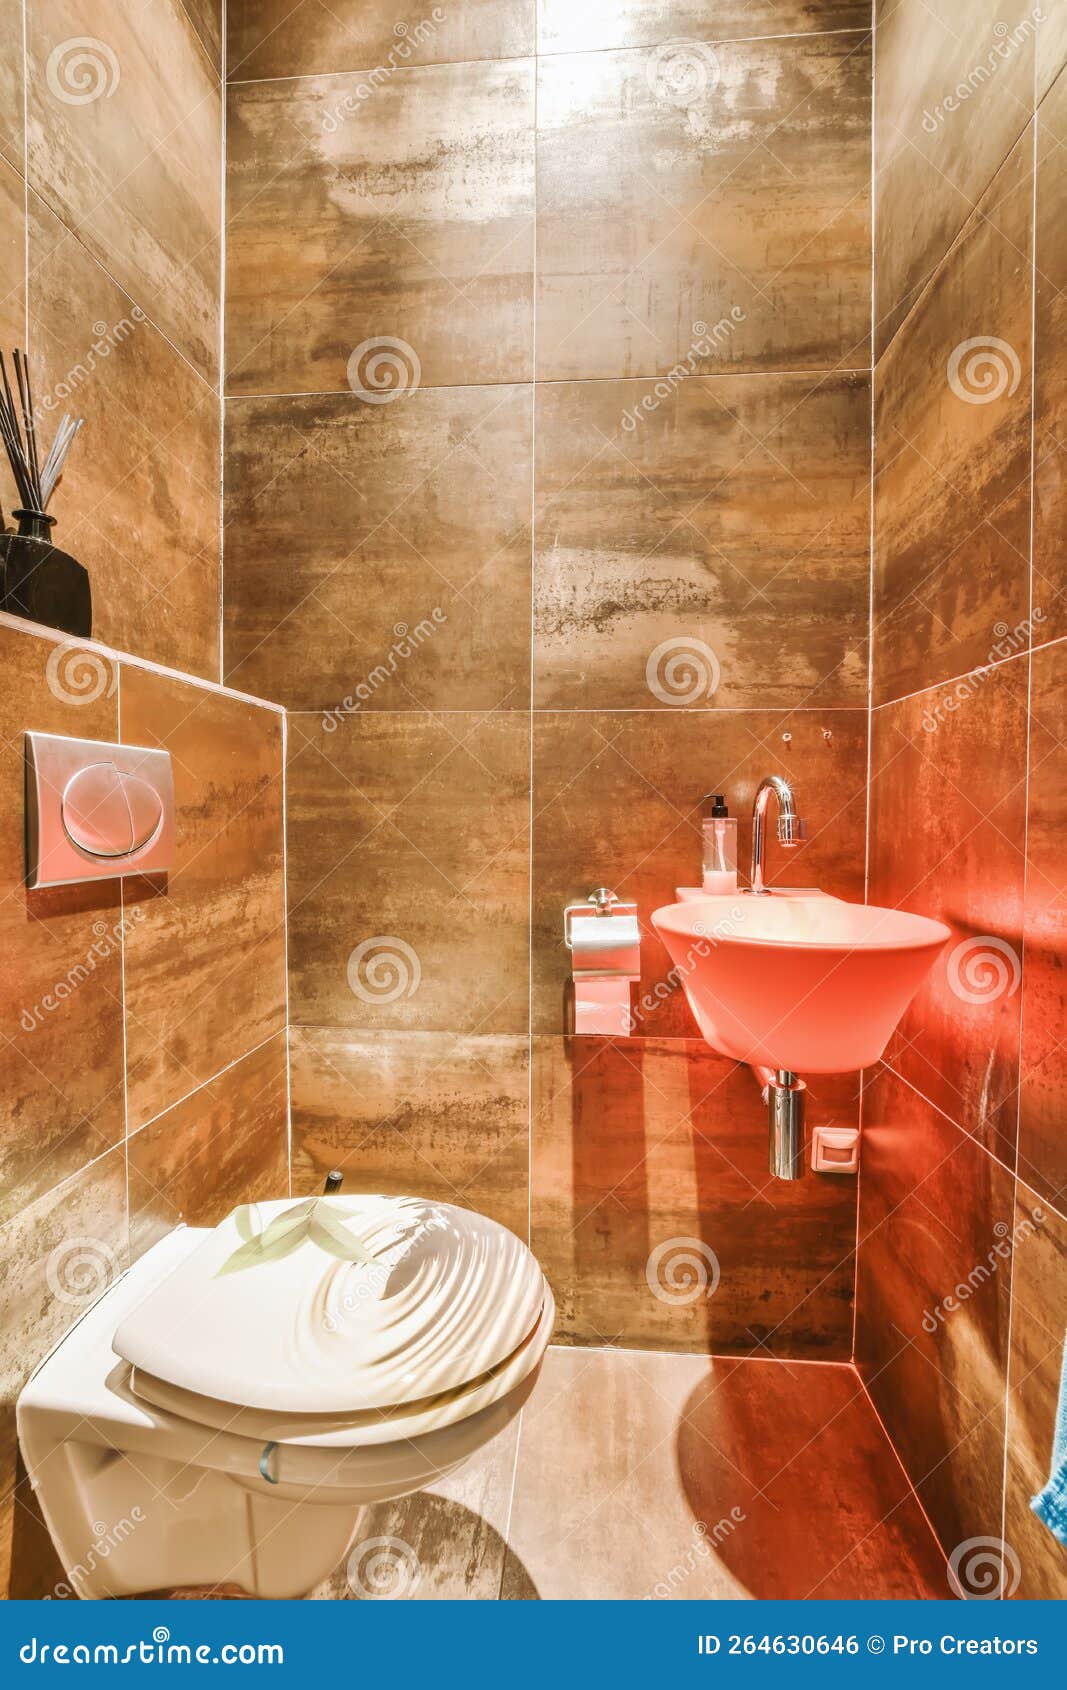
column 53, row 857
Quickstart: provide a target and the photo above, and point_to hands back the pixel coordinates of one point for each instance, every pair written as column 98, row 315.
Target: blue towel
column 1051, row 1506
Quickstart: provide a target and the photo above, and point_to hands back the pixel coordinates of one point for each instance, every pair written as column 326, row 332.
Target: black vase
column 42, row 583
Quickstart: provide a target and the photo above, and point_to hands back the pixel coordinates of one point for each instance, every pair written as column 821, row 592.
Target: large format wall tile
column 346, row 233
column 206, row 19
column 56, row 1257
column 734, row 512
column 948, row 819
column 617, row 803
column 655, row 1218
column 665, row 204
column 1043, row 1060
column 60, row 950
column 133, row 169
column 952, row 97
column 952, row 455
column 434, row 1115
column 1050, row 366
column 138, row 501
column 380, row 553
column 275, row 38
column 409, row 872
column 1039, row 1298
column 564, row 27
column 936, row 1212
column 226, row 1144
column 1051, row 50
column 205, row 960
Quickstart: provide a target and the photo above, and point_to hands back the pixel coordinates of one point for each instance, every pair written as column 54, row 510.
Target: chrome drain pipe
column 784, row 1095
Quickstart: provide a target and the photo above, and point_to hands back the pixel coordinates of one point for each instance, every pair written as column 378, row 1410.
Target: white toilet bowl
column 224, row 1411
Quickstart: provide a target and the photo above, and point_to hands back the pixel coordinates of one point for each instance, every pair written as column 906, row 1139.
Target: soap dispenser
column 720, row 847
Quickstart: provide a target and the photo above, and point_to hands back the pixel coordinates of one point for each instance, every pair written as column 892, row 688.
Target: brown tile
column 617, row 801
column 56, row 1257
column 661, row 212
column 12, row 286
column 1051, row 50
column 205, row 963
column 447, row 1542
column 933, row 163
column 566, row 28
column 651, row 1153
column 380, row 553
column 12, row 132
column 345, row 233
column 409, row 837
column 952, row 459
column 1039, row 1296
column 1042, row 1092
column 430, row 1114
column 948, row 820
column 226, row 1144
column 206, row 19
column 732, row 512
column 660, row 1494
column 60, row 950
column 138, row 502
column 132, row 162
column 1050, row 364
column 272, row 38
column 932, row 1294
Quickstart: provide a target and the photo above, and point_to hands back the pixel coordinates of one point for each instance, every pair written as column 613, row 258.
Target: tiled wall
column 962, row 1289
column 625, row 249
column 142, row 1023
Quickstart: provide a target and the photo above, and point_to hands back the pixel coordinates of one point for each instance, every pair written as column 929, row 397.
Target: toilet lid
column 338, row 1304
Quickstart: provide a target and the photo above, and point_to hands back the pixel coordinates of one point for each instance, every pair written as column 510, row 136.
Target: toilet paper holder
column 603, row 937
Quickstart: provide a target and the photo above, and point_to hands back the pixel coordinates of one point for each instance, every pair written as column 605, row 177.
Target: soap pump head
column 715, row 805
column 334, row 1181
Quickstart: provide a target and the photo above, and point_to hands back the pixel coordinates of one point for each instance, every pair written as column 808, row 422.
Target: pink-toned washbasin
column 809, row 984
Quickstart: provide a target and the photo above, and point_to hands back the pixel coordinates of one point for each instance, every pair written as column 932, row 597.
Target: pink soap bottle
column 720, row 847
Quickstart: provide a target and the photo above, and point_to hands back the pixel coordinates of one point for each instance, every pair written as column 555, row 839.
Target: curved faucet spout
column 791, row 830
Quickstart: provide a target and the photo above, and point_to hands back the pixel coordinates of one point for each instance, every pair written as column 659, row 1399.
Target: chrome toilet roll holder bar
column 607, row 962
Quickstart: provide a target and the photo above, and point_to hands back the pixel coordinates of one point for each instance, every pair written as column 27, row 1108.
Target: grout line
column 287, row 1029
column 536, row 54
column 979, row 668
column 918, row 1499
column 194, row 1090
column 804, row 373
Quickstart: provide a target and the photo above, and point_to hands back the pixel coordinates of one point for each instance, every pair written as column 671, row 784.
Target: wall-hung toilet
column 226, row 1408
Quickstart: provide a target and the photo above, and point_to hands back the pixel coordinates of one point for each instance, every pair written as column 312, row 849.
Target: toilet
column 228, row 1406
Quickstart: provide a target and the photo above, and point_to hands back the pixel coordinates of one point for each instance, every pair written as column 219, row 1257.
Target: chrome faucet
column 791, row 830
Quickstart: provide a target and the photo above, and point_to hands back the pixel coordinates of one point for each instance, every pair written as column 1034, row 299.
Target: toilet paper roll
column 605, row 945
column 602, row 1007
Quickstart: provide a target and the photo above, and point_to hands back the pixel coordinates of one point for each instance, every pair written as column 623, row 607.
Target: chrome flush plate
column 96, row 811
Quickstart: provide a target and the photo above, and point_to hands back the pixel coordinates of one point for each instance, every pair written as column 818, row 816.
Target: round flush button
column 109, row 813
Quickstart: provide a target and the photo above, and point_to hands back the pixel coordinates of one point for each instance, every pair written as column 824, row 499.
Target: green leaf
column 331, row 1235
column 256, row 1253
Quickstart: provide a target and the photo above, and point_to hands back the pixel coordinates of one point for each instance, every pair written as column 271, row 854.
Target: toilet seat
column 271, row 1312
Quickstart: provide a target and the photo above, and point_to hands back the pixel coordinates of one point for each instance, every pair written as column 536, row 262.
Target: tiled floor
column 637, row 1473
